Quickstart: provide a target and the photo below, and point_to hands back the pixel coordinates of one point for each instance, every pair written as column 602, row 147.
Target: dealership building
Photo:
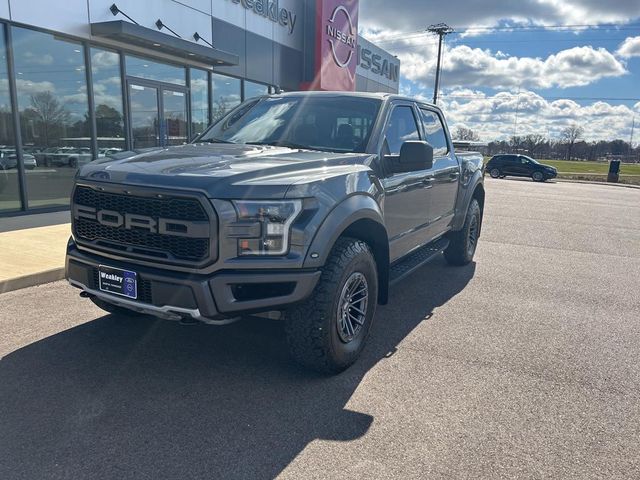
column 84, row 79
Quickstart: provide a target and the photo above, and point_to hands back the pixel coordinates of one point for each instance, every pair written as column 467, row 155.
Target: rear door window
column 434, row 131
column 401, row 127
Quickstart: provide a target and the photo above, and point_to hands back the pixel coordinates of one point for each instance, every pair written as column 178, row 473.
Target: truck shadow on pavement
column 140, row 398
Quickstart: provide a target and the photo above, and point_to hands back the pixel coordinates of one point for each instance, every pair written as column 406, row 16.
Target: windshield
column 336, row 124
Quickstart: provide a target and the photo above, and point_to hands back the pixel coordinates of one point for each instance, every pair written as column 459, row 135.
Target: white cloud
column 33, row 59
column 504, row 114
column 464, row 66
column 410, row 15
column 630, row 47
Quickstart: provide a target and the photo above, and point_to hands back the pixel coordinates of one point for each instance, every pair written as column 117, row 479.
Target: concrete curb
column 31, row 280
column 589, row 182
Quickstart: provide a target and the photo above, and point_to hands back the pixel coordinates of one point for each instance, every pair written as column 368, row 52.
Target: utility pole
column 515, row 122
column 633, row 126
column 440, row 29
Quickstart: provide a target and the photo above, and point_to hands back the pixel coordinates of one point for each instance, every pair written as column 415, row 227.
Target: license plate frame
column 118, row 281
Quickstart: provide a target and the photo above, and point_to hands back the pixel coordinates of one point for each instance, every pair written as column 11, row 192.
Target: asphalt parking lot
column 523, row 364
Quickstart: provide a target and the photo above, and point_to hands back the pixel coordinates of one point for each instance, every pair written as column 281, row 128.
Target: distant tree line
column 570, row 146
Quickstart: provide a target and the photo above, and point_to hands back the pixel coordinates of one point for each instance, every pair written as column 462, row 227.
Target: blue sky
column 541, row 76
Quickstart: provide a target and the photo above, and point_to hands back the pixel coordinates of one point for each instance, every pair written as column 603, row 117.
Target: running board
column 415, row 260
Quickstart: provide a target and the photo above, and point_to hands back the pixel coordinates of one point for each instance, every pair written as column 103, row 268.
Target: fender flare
column 355, row 209
column 463, row 206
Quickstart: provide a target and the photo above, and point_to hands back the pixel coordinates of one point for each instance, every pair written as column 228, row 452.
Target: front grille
column 138, row 241
column 174, row 208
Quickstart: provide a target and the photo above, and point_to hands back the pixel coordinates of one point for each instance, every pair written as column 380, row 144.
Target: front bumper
column 213, row 298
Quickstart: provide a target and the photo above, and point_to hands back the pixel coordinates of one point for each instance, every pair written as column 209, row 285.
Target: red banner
column 336, row 45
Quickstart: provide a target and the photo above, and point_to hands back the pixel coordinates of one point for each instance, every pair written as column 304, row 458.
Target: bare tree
column 464, row 133
column 534, row 142
column 570, row 135
column 48, row 111
column 515, row 144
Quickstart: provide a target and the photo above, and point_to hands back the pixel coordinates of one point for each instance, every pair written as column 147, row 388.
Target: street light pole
column 441, row 29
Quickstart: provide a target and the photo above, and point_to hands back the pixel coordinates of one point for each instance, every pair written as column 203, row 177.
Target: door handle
column 454, row 175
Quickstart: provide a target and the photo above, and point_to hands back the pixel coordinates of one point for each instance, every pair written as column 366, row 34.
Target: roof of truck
column 378, row 95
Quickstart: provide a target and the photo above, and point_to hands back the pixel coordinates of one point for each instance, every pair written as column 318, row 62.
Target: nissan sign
column 336, row 45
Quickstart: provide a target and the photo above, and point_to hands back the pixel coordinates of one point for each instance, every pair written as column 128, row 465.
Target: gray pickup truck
column 300, row 206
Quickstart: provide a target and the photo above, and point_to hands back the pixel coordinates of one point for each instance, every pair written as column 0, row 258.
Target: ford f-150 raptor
column 305, row 206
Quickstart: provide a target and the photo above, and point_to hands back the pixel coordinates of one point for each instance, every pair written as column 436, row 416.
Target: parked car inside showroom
column 9, row 159
column 503, row 165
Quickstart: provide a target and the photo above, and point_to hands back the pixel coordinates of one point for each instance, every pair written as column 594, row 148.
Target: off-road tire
column 460, row 250
column 312, row 326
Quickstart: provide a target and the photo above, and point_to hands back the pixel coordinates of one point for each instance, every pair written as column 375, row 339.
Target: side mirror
column 414, row 155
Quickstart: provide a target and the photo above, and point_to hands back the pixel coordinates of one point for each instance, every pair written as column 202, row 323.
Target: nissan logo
column 338, row 37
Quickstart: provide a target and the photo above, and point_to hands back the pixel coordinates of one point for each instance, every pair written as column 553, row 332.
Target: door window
column 144, row 116
column 158, row 115
column 434, row 131
column 401, row 127
column 174, row 113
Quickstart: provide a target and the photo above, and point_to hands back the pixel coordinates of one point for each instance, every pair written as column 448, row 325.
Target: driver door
column 406, row 204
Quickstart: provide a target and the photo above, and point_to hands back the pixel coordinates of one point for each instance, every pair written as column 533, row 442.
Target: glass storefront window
column 252, row 89
column 54, row 117
column 9, row 190
column 226, row 94
column 107, row 95
column 161, row 72
column 199, row 101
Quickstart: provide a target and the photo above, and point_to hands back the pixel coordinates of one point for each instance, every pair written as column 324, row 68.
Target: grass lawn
column 592, row 168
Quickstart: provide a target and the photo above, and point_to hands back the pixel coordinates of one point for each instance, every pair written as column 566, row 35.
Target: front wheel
column 463, row 243
column 537, row 177
column 495, row 173
column 328, row 331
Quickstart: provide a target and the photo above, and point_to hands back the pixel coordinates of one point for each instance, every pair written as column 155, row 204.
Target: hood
column 224, row 170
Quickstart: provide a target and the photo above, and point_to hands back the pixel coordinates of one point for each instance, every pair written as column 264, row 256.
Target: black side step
column 415, row 260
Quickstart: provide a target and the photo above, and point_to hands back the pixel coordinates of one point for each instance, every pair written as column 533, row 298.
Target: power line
column 481, row 96
column 514, row 28
column 617, row 26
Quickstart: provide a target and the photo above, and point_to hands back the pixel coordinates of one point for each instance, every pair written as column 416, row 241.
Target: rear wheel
column 463, row 243
column 495, row 173
column 537, row 177
column 328, row 331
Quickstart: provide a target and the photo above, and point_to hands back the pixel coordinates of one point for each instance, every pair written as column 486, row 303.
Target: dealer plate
column 118, row 281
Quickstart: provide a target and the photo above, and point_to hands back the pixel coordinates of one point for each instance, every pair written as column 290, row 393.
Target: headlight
column 269, row 225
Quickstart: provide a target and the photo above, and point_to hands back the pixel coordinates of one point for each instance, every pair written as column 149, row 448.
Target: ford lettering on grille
column 159, row 227
column 130, row 221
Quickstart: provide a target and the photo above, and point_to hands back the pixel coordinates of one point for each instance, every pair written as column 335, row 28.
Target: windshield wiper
column 215, row 140
column 284, row 143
